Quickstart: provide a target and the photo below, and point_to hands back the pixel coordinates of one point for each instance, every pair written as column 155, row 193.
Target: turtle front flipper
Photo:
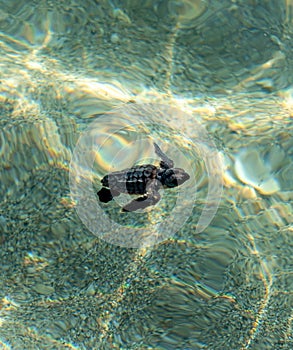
column 166, row 163
column 142, row 202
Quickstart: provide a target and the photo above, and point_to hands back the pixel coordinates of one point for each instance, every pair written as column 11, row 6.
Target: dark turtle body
column 145, row 180
column 131, row 181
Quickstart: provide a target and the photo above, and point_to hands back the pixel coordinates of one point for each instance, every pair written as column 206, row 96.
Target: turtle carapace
column 144, row 180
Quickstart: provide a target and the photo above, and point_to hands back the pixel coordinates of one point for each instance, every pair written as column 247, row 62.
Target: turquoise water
column 208, row 267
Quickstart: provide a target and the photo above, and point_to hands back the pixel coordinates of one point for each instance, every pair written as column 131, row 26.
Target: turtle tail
column 105, row 195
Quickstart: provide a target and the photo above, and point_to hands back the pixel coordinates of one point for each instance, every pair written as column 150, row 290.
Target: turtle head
column 174, row 177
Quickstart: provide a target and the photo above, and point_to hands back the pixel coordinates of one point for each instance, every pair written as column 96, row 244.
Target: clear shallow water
column 227, row 64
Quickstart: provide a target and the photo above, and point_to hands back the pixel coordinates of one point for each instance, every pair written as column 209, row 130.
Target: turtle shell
column 133, row 180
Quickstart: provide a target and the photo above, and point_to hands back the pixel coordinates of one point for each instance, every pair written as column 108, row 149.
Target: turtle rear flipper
column 106, row 195
column 142, row 202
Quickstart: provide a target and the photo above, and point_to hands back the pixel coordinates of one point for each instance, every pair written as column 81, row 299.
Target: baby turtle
column 144, row 179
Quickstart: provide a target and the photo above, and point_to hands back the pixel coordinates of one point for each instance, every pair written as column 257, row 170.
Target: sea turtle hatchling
column 145, row 180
